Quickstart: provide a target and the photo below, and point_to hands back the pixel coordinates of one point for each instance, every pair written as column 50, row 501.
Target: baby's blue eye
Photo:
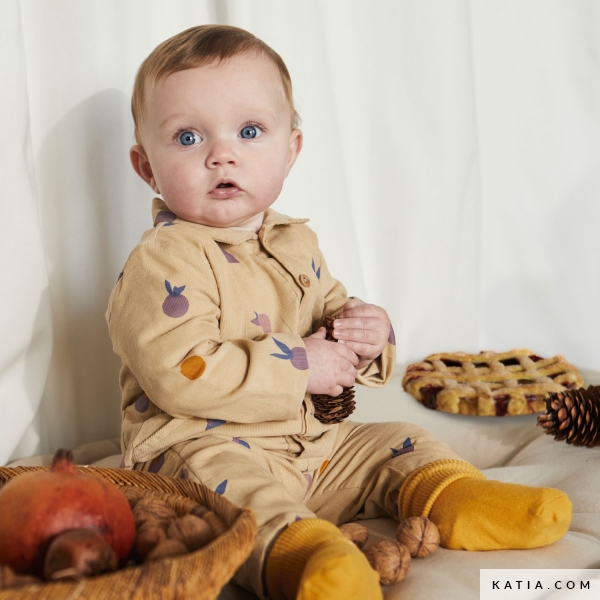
column 188, row 138
column 249, row 132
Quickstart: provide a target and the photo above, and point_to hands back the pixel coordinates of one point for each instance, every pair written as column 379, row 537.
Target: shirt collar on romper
column 161, row 214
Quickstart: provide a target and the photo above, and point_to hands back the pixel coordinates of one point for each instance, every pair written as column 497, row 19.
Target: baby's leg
column 296, row 554
column 401, row 470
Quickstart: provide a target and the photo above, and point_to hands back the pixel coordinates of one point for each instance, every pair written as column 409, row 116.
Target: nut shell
column 148, row 537
column 133, row 494
column 356, row 533
column 390, row 560
column 419, row 535
column 153, row 509
column 217, row 526
column 167, row 549
column 192, row 531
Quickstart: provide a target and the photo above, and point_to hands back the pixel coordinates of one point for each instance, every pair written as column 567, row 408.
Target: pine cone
column 333, row 409
column 573, row 416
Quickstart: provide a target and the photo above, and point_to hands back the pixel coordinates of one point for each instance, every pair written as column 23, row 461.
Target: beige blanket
column 511, row 449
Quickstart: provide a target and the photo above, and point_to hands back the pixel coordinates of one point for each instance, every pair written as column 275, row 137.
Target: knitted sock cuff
column 290, row 553
column 423, row 486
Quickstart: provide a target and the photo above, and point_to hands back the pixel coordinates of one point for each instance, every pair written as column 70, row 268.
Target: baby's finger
column 348, row 378
column 346, row 353
column 356, row 311
column 321, row 333
column 359, row 323
column 357, row 316
column 363, row 350
column 363, row 309
column 336, row 390
column 352, row 303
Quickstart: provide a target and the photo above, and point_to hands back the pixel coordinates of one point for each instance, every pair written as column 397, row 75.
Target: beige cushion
column 511, row 449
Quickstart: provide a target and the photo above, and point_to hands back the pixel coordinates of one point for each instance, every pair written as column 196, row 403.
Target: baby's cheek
column 271, row 183
column 180, row 189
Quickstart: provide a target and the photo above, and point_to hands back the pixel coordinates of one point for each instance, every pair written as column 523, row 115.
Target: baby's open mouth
column 225, row 190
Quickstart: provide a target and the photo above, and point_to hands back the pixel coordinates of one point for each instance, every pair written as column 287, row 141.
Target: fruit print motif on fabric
column 165, row 216
column 262, row 321
column 407, row 446
column 317, row 271
column 297, row 356
column 220, row 489
column 193, row 367
column 230, row 258
column 210, row 423
column 392, row 336
column 142, row 403
column 309, row 482
column 175, row 304
column 157, row 463
column 241, row 442
column 323, row 466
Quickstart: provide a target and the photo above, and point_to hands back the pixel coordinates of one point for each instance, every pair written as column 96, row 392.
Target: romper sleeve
column 380, row 370
column 164, row 324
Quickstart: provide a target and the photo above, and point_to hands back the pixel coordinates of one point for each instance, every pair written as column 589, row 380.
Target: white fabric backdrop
column 451, row 168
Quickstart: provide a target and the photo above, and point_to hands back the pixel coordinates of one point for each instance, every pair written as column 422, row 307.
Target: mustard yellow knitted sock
column 473, row 513
column 312, row 560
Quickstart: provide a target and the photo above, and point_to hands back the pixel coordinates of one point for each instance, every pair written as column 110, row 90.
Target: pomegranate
column 37, row 506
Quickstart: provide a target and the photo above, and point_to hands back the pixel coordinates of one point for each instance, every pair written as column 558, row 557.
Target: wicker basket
column 199, row 575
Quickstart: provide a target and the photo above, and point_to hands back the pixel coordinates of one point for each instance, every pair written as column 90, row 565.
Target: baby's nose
column 221, row 153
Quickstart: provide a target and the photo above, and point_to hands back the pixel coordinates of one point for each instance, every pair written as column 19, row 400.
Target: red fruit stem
column 63, row 462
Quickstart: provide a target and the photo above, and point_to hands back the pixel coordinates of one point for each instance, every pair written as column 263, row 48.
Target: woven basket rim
column 226, row 552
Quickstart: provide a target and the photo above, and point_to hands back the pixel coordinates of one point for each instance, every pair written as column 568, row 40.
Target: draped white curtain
column 451, row 168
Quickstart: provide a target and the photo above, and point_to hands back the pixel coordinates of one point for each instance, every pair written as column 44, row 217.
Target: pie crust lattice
column 489, row 383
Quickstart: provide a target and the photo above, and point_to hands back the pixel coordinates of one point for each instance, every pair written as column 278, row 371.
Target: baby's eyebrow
column 261, row 113
column 169, row 119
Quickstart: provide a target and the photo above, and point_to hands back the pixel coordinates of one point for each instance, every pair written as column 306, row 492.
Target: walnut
column 217, row 526
column 419, row 535
column 133, row 494
column 193, row 531
column 148, row 536
column 356, row 533
column 390, row 560
column 10, row 579
column 153, row 509
column 166, row 549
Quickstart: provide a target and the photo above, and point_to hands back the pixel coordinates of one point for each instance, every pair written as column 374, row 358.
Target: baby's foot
column 339, row 570
column 312, row 560
column 474, row 513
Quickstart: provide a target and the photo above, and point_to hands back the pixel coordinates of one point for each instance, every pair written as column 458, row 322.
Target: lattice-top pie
column 489, row 383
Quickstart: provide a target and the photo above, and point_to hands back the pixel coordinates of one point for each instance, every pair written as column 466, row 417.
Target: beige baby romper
column 209, row 323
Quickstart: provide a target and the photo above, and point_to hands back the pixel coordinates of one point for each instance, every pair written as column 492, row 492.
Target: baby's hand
column 364, row 328
column 332, row 366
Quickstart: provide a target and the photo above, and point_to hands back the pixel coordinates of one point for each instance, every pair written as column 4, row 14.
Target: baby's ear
column 295, row 147
column 141, row 165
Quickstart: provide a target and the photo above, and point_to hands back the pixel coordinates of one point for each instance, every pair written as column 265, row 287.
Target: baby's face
column 217, row 141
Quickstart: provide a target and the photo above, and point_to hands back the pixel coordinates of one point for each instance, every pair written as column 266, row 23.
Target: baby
column 218, row 320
